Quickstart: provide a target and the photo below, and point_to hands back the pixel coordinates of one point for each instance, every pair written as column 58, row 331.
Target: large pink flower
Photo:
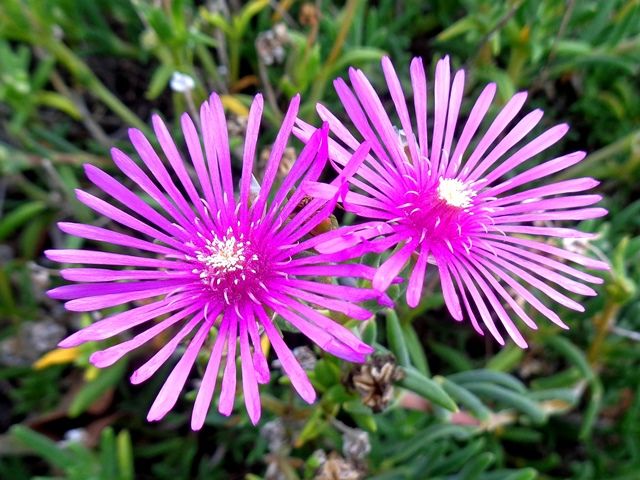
column 455, row 201
column 214, row 264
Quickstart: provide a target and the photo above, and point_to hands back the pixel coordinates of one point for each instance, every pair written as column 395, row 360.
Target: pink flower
column 455, row 204
column 213, row 260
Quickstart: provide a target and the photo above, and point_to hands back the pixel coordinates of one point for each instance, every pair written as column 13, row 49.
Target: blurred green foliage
column 75, row 74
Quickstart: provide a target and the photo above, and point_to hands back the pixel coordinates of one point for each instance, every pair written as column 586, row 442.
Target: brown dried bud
column 337, row 468
column 237, row 125
column 374, row 381
column 305, row 357
column 287, row 161
column 356, row 445
column 270, row 44
column 309, row 15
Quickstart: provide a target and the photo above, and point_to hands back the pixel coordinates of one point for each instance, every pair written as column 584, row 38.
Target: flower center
column 442, row 215
column 228, row 266
column 455, row 193
column 222, row 256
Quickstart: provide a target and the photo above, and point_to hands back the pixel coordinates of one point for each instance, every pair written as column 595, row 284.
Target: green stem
column 234, row 60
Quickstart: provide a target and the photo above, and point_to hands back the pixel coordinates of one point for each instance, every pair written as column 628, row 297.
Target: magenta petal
column 174, row 384
column 416, row 280
column 152, row 365
column 209, row 380
column 392, row 266
column 249, row 381
column 290, row 365
column 228, row 391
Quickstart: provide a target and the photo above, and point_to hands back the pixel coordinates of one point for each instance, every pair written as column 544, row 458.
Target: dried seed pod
column 374, row 380
column 337, row 468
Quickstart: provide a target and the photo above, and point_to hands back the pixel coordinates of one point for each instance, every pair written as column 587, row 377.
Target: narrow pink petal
column 558, row 188
column 108, row 210
column 70, row 292
column 275, row 157
column 476, row 116
column 105, row 274
column 177, row 163
column 95, row 257
column 441, row 103
column 419, row 84
column 379, row 118
column 505, row 295
column 393, row 265
column 111, row 186
column 338, row 349
column 100, row 234
column 546, row 273
column 349, row 236
column 479, row 302
column 210, row 377
column 578, row 214
column 373, row 171
column 152, row 365
column 461, row 288
column 250, row 143
column 311, row 161
column 208, row 139
column 337, row 331
column 159, row 171
column 548, row 204
column 325, row 191
column 517, row 133
column 416, row 279
column 174, row 384
column 523, row 292
column 109, row 356
column 119, row 322
column 448, row 290
column 335, row 125
column 333, row 270
column 537, row 172
column 395, row 89
column 135, row 173
column 338, row 291
column 455, row 100
column 259, row 360
column 317, row 335
column 359, row 118
column 221, row 143
column 249, row 382
column 347, row 307
column 508, row 113
column 543, row 287
column 202, row 173
column 289, row 362
column 535, row 146
column 553, row 250
column 311, row 214
column 544, row 231
column 544, row 260
column 97, row 302
column 507, row 323
column 228, row 391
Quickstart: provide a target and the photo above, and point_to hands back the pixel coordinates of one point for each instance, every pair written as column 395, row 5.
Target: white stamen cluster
column 222, row 256
column 455, row 193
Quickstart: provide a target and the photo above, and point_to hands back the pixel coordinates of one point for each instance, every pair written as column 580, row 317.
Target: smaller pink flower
column 455, row 202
